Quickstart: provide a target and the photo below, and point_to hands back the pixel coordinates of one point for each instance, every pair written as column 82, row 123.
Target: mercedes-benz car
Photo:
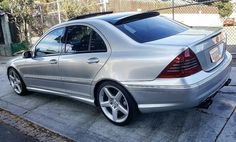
column 125, row 63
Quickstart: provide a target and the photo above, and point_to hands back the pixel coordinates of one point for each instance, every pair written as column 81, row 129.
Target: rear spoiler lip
column 215, row 31
column 213, row 34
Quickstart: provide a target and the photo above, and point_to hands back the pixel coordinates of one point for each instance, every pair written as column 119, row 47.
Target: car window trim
column 60, row 49
column 89, row 48
column 92, row 51
column 82, row 52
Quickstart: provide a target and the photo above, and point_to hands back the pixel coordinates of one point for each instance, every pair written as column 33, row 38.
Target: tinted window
column 83, row 39
column 78, row 38
column 50, row 44
column 151, row 29
column 97, row 43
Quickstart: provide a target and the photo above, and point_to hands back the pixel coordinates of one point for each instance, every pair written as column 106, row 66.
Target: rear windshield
column 150, row 29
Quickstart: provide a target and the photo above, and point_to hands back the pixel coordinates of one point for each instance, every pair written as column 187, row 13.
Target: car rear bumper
column 178, row 93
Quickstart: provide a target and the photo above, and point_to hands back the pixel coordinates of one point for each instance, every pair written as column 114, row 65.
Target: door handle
column 53, row 61
column 93, row 60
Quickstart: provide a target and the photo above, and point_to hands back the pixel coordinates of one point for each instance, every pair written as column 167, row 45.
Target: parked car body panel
column 134, row 65
column 168, row 94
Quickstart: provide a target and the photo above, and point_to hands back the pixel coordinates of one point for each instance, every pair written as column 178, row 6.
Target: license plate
column 215, row 54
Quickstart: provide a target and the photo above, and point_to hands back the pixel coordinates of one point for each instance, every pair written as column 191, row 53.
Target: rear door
column 85, row 52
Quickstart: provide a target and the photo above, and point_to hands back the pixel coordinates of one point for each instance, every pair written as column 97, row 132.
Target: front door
column 42, row 71
column 84, row 55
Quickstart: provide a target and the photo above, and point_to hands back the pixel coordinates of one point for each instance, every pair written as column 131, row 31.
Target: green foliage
column 4, row 5
column 22, row 8
column 225, row 8
column 21, row 11
column 74, row 8
column 16, row 47
column 30, row 15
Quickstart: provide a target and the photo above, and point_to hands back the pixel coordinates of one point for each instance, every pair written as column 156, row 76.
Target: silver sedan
column 125, row 63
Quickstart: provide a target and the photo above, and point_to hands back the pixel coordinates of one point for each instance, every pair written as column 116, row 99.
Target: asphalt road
column 11, row 134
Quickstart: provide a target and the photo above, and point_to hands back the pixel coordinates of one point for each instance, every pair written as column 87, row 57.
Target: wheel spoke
column 118, row 96
column 107, row 92
column 114, row 114
column 11, row 82
column 18, row 81
column 122, row 109
column 11, row 77
column 18, row 87
column 105, row 104
column 14, row 86
column 14, row 75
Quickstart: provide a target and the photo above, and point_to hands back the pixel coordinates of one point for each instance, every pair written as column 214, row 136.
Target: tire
column 116, row 103
column 17, row 82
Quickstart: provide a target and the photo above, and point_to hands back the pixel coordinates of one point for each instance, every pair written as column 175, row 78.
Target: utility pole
column 103, row 8
column 58, row 11
column 101, row 3
column 105, row 5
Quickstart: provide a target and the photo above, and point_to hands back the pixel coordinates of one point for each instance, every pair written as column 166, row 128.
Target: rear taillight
column 183, row 65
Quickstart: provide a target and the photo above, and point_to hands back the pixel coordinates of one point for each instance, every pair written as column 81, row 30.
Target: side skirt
column 82, row 99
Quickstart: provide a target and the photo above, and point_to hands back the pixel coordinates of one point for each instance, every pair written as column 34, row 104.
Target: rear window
column 150, row 29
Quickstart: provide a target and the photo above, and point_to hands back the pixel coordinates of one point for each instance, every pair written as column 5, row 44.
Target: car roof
column 114, row 17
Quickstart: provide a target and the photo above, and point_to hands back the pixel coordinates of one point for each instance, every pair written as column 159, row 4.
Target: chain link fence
column 190, row 12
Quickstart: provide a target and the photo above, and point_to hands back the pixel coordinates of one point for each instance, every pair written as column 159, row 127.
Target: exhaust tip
column 227, row 82
column 206, row 104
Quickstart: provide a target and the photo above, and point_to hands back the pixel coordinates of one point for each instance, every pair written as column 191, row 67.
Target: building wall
column 209, row 20
column 4, row 50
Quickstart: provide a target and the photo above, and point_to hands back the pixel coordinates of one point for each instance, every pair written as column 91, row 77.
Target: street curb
column 30, row 128
column 233, row 55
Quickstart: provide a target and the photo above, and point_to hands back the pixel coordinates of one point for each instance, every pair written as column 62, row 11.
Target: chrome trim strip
column 76, row 80
column 146, row 106
column 42, row 77
column 62, row 79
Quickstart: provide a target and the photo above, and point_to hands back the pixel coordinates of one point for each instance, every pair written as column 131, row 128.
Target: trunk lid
column 207, row 43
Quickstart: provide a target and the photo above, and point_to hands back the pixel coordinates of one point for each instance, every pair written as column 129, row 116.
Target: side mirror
column 27, row 54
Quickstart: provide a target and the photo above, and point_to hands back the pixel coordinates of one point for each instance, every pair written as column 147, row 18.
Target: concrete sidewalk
column 4, row 59
column 82, row 122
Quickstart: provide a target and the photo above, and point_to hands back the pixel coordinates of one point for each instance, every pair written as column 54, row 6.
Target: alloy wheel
column 114, row 104
column 15, row 82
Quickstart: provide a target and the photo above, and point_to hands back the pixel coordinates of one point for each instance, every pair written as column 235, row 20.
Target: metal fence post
column 58, row 11
column 173, row 9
